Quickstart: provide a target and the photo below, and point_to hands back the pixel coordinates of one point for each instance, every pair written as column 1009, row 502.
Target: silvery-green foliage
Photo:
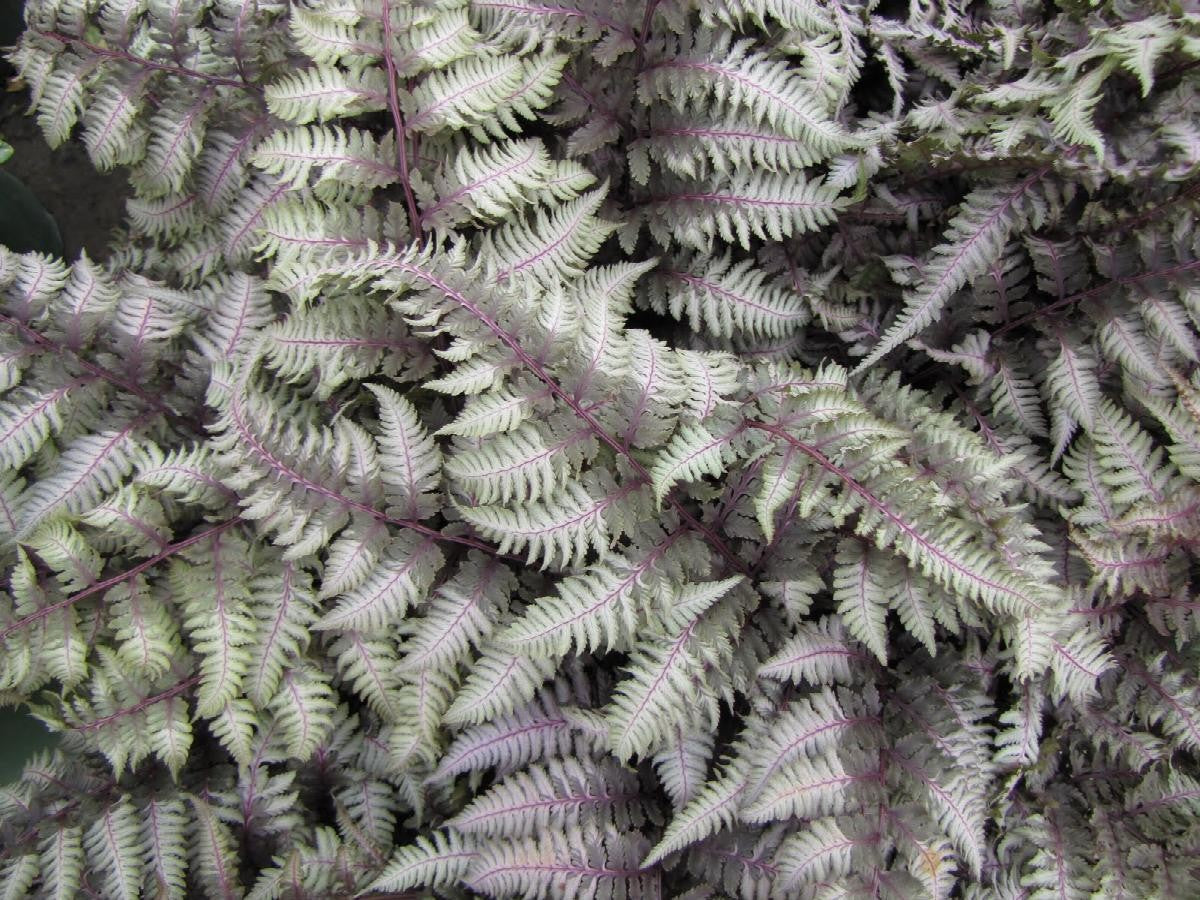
column 608, row 449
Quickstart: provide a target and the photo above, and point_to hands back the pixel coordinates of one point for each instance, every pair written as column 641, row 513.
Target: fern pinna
column 606, row 449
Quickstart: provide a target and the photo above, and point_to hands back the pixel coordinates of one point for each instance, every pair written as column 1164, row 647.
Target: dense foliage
column 543, row 448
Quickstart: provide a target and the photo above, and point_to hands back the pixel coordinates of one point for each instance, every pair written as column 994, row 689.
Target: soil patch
column 86, row 204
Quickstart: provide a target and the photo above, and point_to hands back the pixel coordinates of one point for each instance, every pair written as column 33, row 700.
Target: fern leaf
column 817, row 653
column 861, row 589
column 397, row 582
column 682, row 764
column 562, row 526
column 819, row 853
column 554, row 245
column 460, row 616
column 728, row 298
column 149, row 639
column 367, row 665
column 62, row 861
column 215, row 858
column 498, row 684
column 694, row 149
column 529, row 802
column 565, row 863
column 761, row 205
column 435, row 41
column 488, row 183
column 592, row 611
column 112, row 131
column 693, row 452
column 1071, row 110
column 18, row 876
column 739, row 78
column 714, row 807
column 805, row 789
column 435, row 861
column 218, row 619
column 523, row 466
column 324, row 36
column 975, row 238
column 1018, row 743
column 421, row 706
column 169, row 722
column 534, row 91
column 488, row 414
column 303, row 708
column 1071, row 380
column 324, row 93
column 91, row 466
column 1078, row 664
column 116, row 848
column 27, row 420
column 664, row 687
column 285, row 611
column 463, row 94
column 410, row 457
column 534, row 731
column 176, row 134
column 343, row 157
column 808, row 729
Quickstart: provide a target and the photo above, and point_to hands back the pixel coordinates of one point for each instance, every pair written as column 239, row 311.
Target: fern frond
column 562, row 526
column 464, row 94
column 667, row 684
column 498, row 684
column 563, row 863
column 804, row 789
column 324, row 93
column 550, row 795
column 554, row 245
column 975, row 237
column 809, row 729
column 765, row 206
column 818, row 653
column 215, row 861
column 218, row 620
column 592, row 611
column 459, row 616
column 534, row 731
column 303, row 707
column 115, row 847
column 343, row 157
column 91, row 466
column 738, row 78
column 164, row 824
column 693, row 149
column 327, row 35
column 1071, row 380
column 434, row 41
column 819, row 853
column 62, row 861
column 486, row 184
column 682, row 764
column 398, row 581
column 714, row 807
column 410, row 458
column 434, row 861
column 521, row 466
column 862, row 583
column 692, row 453
column 725, row 298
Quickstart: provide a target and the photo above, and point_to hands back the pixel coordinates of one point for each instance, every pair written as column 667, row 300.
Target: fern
column 608, row 449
